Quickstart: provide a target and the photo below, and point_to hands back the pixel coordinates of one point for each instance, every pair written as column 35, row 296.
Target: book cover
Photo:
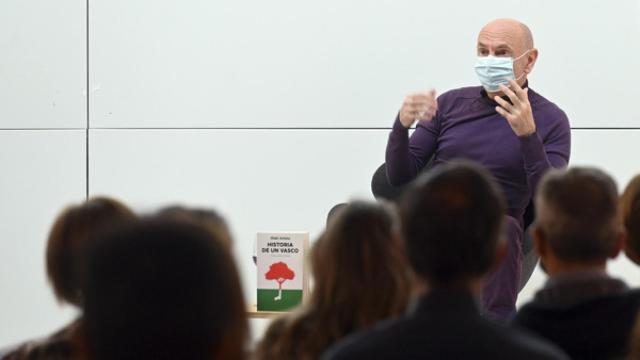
column 280, row 260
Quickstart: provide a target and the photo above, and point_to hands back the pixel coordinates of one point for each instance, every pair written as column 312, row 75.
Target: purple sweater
column 467, row 126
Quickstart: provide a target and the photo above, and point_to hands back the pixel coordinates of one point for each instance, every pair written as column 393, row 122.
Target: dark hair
column 162, row 289
column 452, row 218
column 631, row 218
column 360, row 278
column 72, row 232
column 209, row 219
column 577, row 213
column 634, row 340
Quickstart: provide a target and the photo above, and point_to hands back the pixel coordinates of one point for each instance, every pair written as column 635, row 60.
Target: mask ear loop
column 518, row 58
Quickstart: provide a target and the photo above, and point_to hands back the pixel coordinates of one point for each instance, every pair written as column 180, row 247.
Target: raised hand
column 518, row 112
column 418, row 106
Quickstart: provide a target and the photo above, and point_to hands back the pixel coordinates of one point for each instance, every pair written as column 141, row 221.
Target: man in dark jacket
column 452, row 219
column 581, row 308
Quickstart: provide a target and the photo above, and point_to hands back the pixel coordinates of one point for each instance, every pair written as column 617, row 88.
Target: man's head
column 577, row 220
column 509, row 38
column 631, row 218
column 452, row 221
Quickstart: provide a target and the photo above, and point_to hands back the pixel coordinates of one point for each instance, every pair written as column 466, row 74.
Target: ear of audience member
column 72, row 233
column 580, row 308
column 207, row 218
column 452, row 218
column 630, row 202
column 360, row 278
column 162, row 289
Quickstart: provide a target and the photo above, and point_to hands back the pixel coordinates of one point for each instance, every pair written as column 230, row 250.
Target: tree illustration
column 279, row 272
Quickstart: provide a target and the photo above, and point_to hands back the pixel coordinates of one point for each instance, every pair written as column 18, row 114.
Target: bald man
column 502, row 125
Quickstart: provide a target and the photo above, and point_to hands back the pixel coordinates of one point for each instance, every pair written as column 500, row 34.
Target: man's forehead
column 497, row 39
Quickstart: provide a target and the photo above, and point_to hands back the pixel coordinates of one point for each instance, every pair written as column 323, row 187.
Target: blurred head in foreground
column 164, row 289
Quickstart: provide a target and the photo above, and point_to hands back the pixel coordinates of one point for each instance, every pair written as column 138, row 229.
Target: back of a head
column 452, row 218
column 162, row 289
column 577, row 214
column 631, row 218
column 71, row 234
column 209, row 219
column 360, row 278
column 360, row 251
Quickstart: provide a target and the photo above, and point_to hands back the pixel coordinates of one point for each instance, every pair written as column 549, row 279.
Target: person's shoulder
column 539, row 102
column 529, row 346
column 544, row 314
column 60, row 345
column 413, row 337
column 550, row 118
column 511, row 342
column 370, row 344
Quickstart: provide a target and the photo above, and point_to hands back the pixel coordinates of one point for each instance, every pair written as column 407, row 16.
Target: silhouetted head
column 72, row 233
column 577, row 218
column 452, row 220
column 360, row 254
column 209, row 219
column 162, row 289
column 631, row 218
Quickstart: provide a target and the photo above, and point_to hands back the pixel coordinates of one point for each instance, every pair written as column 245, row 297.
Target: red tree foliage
column 279, row 272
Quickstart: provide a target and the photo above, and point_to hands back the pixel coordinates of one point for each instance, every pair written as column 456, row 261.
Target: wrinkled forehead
column 500, row 38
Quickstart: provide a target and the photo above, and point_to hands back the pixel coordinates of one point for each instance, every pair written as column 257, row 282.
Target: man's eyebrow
column 504, row 46
column 499, row 47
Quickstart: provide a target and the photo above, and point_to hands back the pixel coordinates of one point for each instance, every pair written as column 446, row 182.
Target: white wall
column 41, row 172
column 270, row 112
column 43, row 64
column 336, row 63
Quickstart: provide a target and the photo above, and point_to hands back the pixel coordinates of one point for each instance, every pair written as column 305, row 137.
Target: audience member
column 580, row 308
column 631, row 218
column 634, row 343
column 163, row 289
column 71, row 234
column 209, row 219
column 453, row 218
column 360, row 278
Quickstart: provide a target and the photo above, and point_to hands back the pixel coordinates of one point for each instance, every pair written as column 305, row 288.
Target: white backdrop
column 271, row 112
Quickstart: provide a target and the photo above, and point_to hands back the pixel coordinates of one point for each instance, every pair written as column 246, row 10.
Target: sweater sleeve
column 540, row 155
column 406, row 156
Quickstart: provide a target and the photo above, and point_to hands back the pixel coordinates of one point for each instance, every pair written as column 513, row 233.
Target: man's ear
column 532, row 57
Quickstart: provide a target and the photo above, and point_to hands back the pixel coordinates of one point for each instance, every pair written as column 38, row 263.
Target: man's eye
column 483, row 52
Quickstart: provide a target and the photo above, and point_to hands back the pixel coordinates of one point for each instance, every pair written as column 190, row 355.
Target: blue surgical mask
column 494, row 71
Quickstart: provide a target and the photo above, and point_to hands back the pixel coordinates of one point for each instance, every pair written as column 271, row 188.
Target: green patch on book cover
column 272, row 300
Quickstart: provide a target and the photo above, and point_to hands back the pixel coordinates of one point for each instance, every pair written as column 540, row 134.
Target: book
column 280, row 260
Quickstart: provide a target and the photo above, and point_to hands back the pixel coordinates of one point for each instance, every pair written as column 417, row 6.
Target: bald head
column 517, row 34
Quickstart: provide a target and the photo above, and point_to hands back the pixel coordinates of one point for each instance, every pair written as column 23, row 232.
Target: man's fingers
column 514, row 98
column 420, row 106
column 518, row 90
column 504, row 113
column 427, row 95
column 428, row 115
column 420, row 99
column 503, row 103
column 432, row 94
